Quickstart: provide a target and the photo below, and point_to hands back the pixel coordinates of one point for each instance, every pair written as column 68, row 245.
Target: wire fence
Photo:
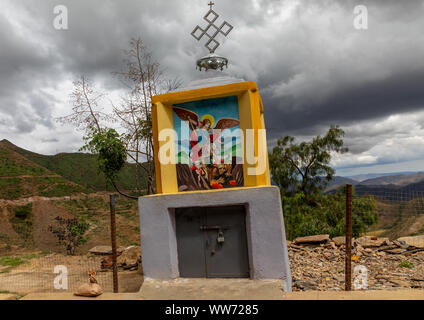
column 54, row 273
column 62, row 273
column 380, row 259
column 389, row 256
column 32, row 260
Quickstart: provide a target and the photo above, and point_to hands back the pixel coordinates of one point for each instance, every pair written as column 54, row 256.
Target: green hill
column 12, row 164
column 79, row 168
column 20, row 177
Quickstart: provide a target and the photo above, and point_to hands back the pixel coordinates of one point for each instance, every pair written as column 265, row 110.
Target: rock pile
column 128, row 259
column 318, row 262
column 105, row 250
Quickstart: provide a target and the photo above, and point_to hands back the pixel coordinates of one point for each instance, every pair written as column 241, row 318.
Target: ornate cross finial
column 211, row 31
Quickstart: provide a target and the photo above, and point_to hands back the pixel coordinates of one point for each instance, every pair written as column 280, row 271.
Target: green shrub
column 11, row 261
column 406, row 264
column 70, row 233
column 326, row 215
column 22, row 212
column 21, row 221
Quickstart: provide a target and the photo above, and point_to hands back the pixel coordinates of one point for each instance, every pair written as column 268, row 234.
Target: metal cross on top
column 211, row 30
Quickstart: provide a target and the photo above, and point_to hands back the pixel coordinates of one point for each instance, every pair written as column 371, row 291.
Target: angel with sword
column 209, row 133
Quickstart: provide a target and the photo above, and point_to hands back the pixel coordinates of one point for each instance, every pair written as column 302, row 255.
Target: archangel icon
column 209, row 159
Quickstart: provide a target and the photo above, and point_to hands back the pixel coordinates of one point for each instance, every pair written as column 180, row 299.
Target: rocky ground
column 318, row 262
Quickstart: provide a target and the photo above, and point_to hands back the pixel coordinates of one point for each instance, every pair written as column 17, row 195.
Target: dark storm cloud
column 364, row 75
column 26, row 65
column 397, row 94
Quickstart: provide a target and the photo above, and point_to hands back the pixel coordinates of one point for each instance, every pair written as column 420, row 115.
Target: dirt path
column 39, row 199
column 53, row 175
column 23, row 201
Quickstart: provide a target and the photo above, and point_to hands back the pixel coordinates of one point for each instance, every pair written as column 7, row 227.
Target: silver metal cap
column 213, row 62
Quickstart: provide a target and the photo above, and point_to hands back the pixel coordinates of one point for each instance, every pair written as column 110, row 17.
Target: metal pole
column 348, row 245
column 113, row 236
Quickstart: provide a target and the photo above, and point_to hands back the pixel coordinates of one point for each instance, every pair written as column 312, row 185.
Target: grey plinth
column 267, row 247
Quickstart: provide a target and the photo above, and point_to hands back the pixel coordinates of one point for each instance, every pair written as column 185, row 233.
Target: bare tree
column 88, row 116
column 137, row 137
column 86, row 113
column 144, row 79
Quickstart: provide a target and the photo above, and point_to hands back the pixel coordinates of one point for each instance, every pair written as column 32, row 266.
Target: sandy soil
column 95, row 209
column 38, row 275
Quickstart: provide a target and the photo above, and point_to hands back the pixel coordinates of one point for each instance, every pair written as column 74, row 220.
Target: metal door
column 212, row 242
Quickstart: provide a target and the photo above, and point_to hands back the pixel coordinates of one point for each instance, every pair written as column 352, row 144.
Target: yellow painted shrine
column 250, row 110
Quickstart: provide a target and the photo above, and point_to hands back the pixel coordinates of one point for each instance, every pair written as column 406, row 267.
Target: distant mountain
column 399, row 179
column 80, row 168
column 362, row 177
column 392, row 191
column 338, row 181
column 405, row 186
column 417, row 187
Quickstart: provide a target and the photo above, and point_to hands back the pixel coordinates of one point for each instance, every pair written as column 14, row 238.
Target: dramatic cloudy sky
column 313, row 67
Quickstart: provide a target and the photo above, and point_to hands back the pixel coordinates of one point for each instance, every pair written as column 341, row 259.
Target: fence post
column 348, row 245
column 113, row 237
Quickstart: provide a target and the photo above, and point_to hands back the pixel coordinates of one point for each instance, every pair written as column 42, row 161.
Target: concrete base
column 404, row 294
column 229, row 290
column 267, row 248
column 211, row 289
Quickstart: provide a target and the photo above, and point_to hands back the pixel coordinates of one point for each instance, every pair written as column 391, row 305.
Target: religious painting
column 208, row 144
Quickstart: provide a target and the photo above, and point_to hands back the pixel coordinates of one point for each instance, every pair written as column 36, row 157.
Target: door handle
column 205, row 228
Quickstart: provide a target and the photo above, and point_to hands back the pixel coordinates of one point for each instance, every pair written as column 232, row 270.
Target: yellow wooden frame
column 251, row 117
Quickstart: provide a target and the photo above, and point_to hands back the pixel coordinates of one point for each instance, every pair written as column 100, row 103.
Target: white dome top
column 210, row 78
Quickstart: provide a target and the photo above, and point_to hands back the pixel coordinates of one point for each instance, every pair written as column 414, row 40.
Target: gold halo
column 209, row 117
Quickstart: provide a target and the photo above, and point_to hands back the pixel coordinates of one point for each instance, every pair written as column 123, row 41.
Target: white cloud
column 396, row 139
